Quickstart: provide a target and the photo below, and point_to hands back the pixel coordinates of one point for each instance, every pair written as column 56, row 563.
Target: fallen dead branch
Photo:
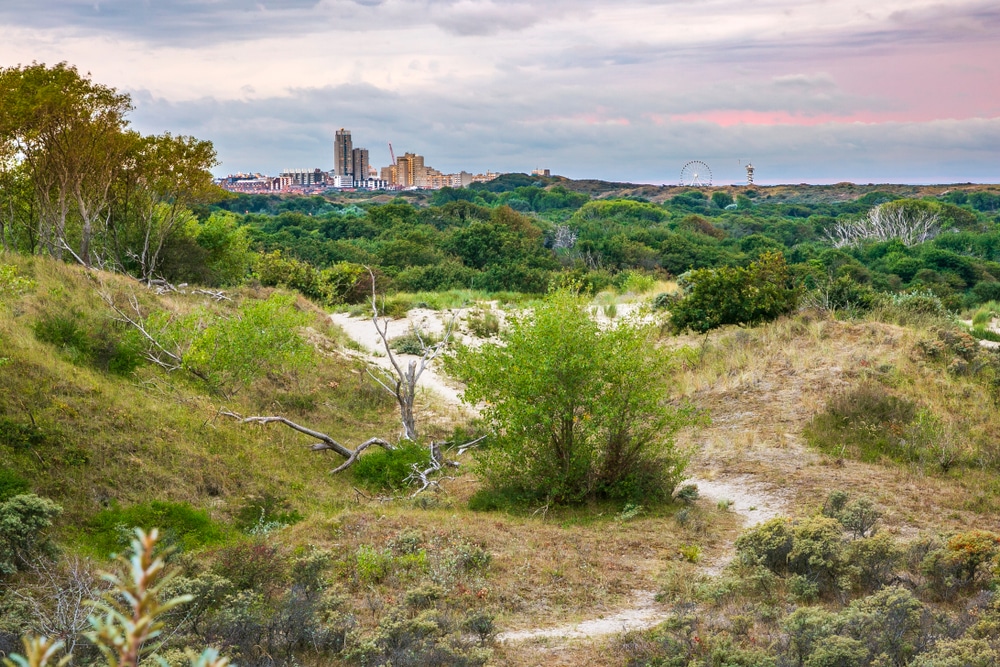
column 325, row 441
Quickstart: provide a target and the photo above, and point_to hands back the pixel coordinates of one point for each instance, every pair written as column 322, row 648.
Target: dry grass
column 762, row 386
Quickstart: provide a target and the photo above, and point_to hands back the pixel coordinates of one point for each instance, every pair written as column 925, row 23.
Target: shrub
column 768, row 544
column 431, row 638
column 734, row 295
column 23, row 521
column 578, row 410
column 860, row 517
column 387, row 470
column 890, row 623
column 423, row 597
column 873, row 561
column 837, row 651
column 13, row 285
column 251, row 565
column 959, row 653
column 262, row 337
column 183, row 527
column 414, row 342
column 817, row 552
column 687, row 494
column 11, row 484
column 371, row 566
column 18, row 435
column 267, row 511
column 483, row 322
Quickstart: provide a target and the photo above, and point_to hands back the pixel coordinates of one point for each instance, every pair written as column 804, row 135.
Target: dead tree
column 401, row 382
column 325, row 442
column 886, row 222
column 427, row 476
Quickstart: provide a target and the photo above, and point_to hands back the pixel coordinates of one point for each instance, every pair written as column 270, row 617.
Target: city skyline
column 902, row 91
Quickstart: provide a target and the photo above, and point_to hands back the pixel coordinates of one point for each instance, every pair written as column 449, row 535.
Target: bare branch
column 156, row 351
column 325, row 441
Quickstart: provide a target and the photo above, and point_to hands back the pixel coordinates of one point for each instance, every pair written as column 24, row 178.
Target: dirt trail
column 748, row 499
column 362, row 331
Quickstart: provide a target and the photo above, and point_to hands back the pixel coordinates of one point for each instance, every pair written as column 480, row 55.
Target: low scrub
column 182, row 526
column 387, row 470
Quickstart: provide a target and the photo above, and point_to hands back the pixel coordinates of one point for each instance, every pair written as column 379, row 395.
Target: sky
column 809, row 91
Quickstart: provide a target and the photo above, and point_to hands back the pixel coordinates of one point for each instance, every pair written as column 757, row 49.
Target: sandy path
column 362, row 331
column 748, row 499
column 644, row 613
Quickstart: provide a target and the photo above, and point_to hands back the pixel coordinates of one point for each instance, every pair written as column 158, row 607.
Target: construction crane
column 392, row 155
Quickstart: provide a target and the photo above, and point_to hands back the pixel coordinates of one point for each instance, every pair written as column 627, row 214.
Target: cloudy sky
column 812, row 91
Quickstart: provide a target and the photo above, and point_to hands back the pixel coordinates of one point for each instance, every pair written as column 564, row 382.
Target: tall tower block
column 342, row 158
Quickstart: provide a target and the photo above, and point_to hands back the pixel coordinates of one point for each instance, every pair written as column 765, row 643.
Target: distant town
column 352, row 171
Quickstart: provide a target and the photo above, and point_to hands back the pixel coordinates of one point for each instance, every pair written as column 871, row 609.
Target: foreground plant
column 127, row 618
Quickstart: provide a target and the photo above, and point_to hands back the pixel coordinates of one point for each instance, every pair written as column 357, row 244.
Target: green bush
column 959, row 653
column 11, row 484
column 768, row 544
column 266, row 512
column 734, row 295
column 19, row 436
column 387, row 470
column 252, row 565
column 261, row 337
column 579, row 411
column 182, row 526
column 483, row 322
column 818, row 552
column 414, row 342
column 23, row 521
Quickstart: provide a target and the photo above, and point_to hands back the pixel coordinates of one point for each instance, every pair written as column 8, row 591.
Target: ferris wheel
column 696, row 174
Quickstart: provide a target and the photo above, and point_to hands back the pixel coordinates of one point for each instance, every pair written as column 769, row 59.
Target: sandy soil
column 362, row 331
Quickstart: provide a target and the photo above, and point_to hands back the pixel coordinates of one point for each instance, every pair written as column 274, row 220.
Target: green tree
column 578, row 411
column 68, row 132
column 161, row 179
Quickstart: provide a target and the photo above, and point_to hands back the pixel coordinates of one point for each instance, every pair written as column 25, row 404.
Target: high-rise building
column 359, row 163
column 410, row 170
column 343, row 164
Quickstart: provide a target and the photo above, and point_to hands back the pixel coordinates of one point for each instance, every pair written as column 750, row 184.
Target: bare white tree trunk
column 402, row 382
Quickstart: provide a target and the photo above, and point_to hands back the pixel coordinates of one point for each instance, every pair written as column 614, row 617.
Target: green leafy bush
column 387, row 470
column 483, row 322
column 23, row 521
column 734, row 295
column 414, row 342
column 11, row 484
column 18, row 435
column 768, row 544
column 182, row 526
column 578, row 410
column 261, row 337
